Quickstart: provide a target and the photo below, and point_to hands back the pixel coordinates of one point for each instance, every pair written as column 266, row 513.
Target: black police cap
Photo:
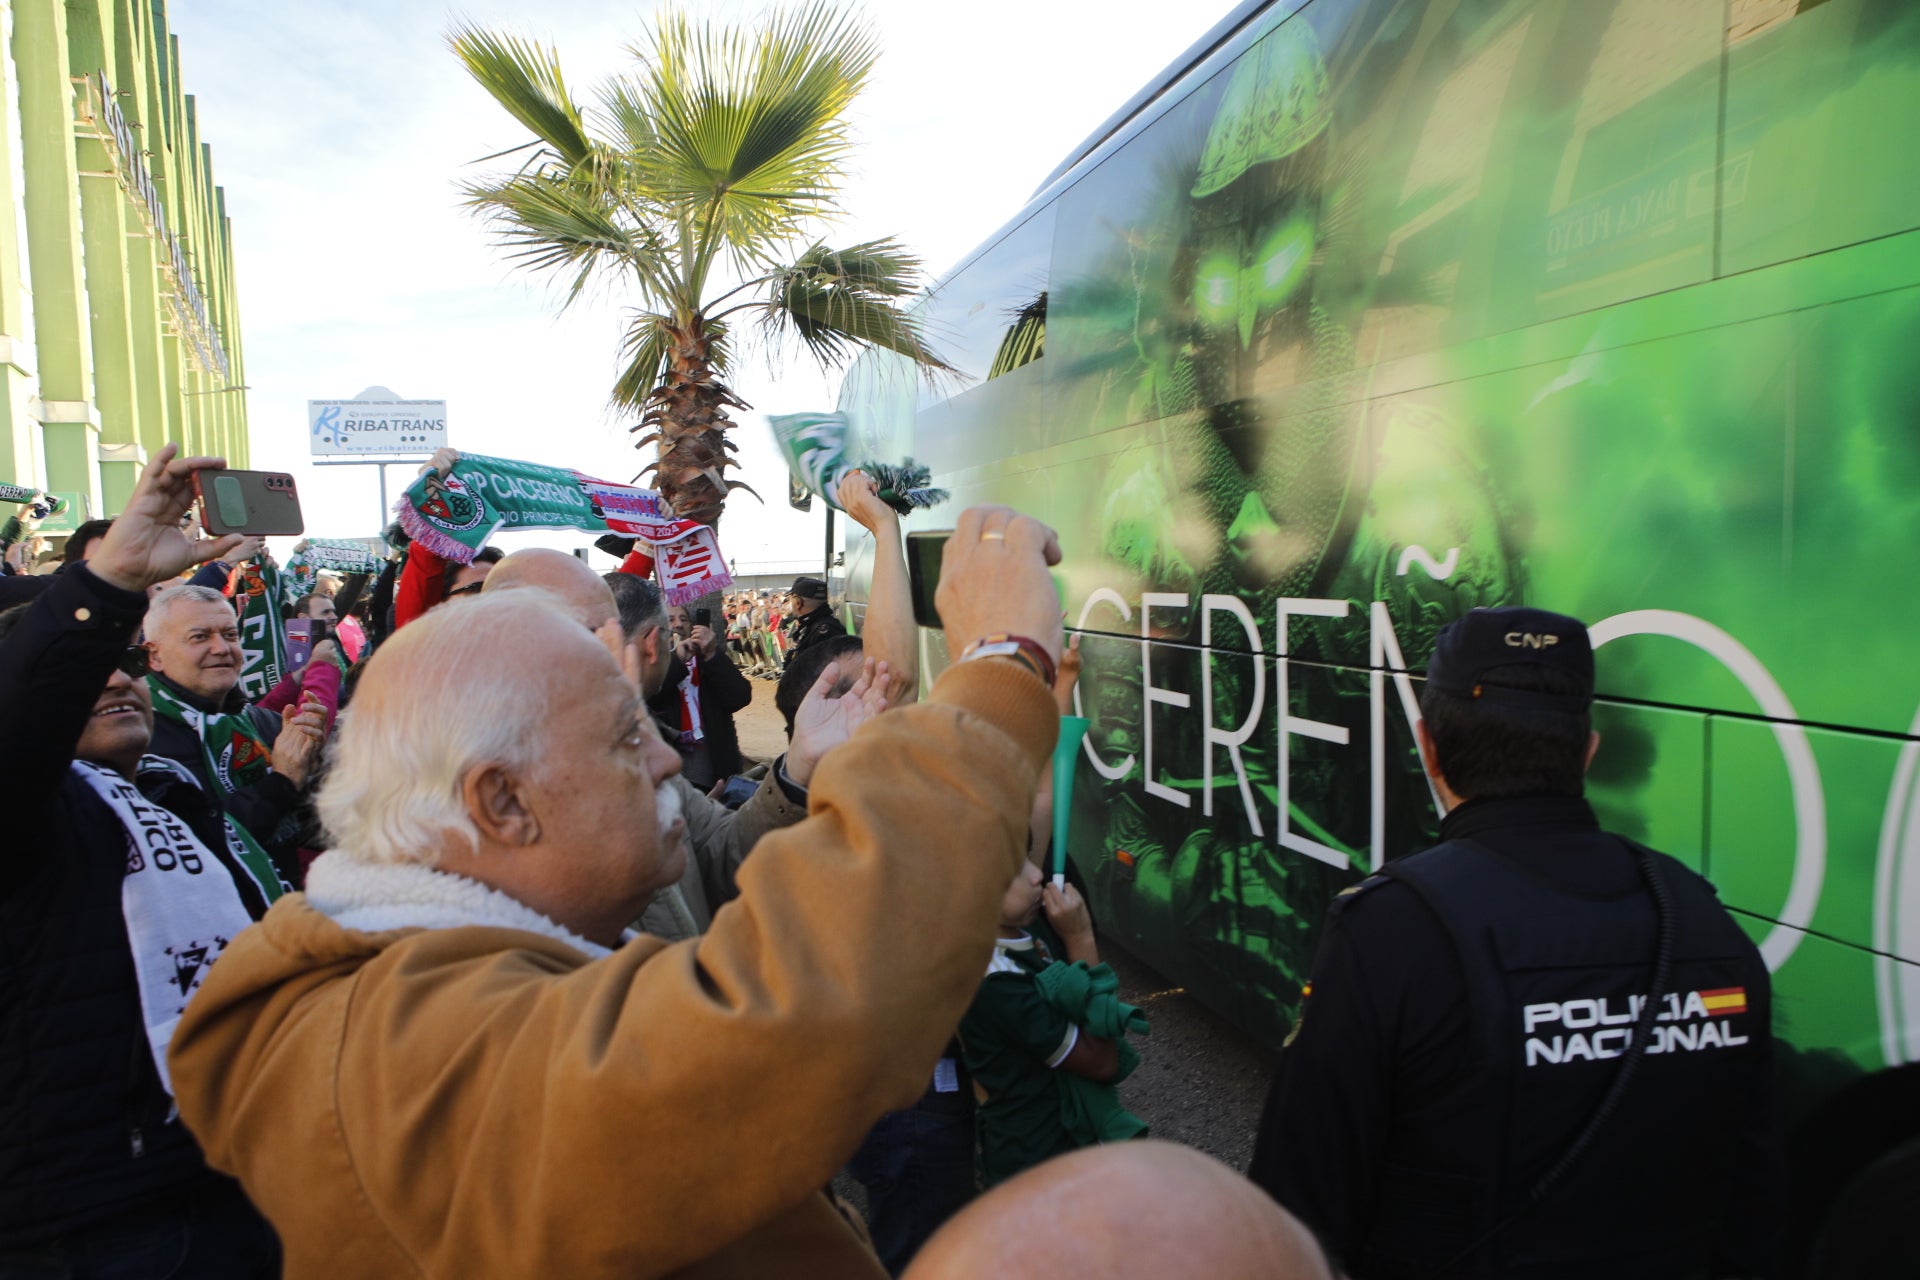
column 809, row 588
column 1468, row 647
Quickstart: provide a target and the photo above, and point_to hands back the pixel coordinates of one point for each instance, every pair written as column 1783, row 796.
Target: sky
column 341, row 130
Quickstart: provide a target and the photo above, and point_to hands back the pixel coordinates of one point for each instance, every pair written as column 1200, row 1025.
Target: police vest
column 1554, row 983
column 812, row 628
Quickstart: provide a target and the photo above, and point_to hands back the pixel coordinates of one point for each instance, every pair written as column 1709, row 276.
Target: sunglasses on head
column 134, row 662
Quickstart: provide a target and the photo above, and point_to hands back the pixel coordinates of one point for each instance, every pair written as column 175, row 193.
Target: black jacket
column 723, row 692
column 260, row 807
column 1412, row 1112
column 84, row 1133
column 807, row 629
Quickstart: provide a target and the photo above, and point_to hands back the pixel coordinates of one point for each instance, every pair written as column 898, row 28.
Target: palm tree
column 691, row 187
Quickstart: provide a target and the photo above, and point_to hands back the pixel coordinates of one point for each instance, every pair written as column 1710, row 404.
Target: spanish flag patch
column 1725, row 1002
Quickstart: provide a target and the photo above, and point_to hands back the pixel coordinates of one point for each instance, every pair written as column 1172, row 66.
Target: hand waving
column 861, row 497
column 823, row 723
column 993, row 580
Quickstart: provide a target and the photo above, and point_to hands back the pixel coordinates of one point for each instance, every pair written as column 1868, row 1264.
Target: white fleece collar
column 373, row 897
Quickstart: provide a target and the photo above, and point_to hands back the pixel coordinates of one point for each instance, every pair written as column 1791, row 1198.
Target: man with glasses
column 120, row 882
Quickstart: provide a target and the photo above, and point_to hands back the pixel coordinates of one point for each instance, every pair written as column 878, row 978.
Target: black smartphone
column 924, row 553
column 703, row 618
column 264, row 502
column 739, row 790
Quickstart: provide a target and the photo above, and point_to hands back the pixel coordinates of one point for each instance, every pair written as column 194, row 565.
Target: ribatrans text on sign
column 376, row 422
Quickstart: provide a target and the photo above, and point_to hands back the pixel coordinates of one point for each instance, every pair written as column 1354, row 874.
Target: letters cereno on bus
column 1388, row 661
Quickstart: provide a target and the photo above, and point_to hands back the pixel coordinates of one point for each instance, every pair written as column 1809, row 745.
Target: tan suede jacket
column 475, row 1101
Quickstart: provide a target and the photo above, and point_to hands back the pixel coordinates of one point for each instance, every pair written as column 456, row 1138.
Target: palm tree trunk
column 690, row 411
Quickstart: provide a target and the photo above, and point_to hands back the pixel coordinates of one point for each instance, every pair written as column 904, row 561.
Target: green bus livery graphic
column 1385, row 310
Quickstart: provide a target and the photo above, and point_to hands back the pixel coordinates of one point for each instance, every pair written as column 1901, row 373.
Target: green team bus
column 1371, row 312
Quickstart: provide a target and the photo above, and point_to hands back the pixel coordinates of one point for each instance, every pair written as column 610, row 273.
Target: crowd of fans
column 765, row 628
column 470, row 949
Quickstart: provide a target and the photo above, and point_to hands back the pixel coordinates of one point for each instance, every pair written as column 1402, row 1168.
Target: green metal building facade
column 118, row 323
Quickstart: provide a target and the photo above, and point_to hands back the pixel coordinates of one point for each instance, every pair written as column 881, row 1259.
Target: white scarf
column 179, row 902
column 374, row 897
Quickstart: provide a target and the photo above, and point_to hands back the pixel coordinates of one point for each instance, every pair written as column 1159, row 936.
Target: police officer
column 809, row 620
column 1535, row 1049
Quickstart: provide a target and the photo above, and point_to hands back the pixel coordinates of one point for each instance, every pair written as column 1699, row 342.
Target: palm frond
column 525, row 79
column 749, row 122
column 645, row 351
column 628, row 116
column 560, row 224
column 883, row 268
column 837, row 302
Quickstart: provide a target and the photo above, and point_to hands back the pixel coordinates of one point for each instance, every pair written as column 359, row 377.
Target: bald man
column 1135, row 1209
column 565, row 576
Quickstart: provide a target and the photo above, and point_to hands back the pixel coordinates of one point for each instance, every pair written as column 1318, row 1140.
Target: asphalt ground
column 1200, row 1081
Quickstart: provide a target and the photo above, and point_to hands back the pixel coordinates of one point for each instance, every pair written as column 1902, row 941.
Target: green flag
column 815, row 445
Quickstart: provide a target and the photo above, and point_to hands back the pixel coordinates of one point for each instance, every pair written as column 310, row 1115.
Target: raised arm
column 350, row 592
column 888, row 633
column 423, row 580
column 57, row 659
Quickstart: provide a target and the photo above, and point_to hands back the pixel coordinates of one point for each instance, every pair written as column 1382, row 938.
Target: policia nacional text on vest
column 1573, row 1165
column 1606, row 1045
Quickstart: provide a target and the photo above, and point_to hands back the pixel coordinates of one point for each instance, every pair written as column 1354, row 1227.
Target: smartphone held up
column 255, row 502
column 925, row 551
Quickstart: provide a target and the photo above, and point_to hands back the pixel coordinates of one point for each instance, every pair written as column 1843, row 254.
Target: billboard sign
column 376, row 422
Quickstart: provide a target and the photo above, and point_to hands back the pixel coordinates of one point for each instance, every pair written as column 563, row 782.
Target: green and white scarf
column 303, row 568
column 453, row 517
column 231, row 748
column 255, row 588
column 180, row 901
column 815, row 446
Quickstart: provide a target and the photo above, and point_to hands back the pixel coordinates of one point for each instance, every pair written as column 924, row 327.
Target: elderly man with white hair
column 447, row 1058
